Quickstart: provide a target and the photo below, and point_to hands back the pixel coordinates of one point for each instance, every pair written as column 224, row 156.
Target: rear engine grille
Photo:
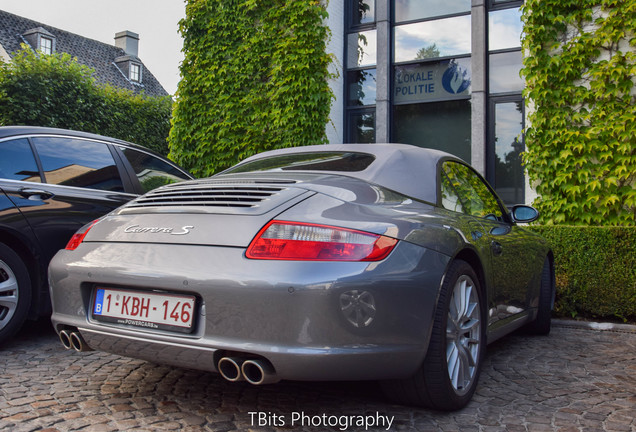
column 207, row 195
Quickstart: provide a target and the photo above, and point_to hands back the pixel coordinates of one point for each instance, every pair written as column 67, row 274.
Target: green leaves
column 581, row 135
column 595, row 270
column 56, row 91
column 254, row 78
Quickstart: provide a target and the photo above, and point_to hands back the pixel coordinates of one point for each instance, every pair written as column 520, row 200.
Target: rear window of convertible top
column 318, row 161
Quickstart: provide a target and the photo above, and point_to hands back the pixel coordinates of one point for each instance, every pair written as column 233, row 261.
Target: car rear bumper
column 291, row 314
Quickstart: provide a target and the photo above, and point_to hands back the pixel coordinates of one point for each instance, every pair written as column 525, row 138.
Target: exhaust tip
column 65, row 338
column 230, row 368
column 259, row 372
column 77, row 342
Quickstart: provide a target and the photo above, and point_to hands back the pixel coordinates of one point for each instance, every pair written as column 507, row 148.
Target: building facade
column 442, row 74
column 118, row 65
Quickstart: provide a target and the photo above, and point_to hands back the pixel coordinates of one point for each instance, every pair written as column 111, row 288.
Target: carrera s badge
column 153, row 230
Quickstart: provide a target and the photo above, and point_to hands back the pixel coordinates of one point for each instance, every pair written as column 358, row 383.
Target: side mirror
column 524, row 213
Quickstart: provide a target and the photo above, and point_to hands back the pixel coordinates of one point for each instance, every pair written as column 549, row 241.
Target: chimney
column 128, row 41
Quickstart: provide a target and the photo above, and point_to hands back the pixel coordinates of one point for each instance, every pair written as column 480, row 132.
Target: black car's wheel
column 448, row 376
column 541, row 325
column 15, row 292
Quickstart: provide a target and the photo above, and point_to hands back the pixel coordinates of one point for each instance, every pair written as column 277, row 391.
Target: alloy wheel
column 8, row 294
column 463, row 334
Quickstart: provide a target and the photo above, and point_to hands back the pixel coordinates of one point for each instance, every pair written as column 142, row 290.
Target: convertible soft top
column 403, row 168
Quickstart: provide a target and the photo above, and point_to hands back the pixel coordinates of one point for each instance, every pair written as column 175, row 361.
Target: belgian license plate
column 151, row 310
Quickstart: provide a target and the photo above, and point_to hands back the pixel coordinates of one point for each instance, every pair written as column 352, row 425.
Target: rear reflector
column 78, row 237
column 281, row 240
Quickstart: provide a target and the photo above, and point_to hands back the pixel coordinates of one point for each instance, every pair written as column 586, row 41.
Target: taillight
column 78, row 237
column 281, row 240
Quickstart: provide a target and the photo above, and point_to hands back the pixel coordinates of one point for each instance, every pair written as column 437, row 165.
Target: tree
column 254, row 78
column 430, row 51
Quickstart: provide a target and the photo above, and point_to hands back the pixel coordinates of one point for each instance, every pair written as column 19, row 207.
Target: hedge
column 595, row 271
column 57, row 91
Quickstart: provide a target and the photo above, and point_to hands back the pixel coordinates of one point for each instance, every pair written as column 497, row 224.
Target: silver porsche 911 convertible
column 380, row 262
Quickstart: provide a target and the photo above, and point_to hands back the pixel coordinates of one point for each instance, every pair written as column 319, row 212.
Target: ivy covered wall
column 580, row 68
column 254, row 78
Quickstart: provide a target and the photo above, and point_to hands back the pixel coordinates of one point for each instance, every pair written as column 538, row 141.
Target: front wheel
column 15, row 292
column 448, row 376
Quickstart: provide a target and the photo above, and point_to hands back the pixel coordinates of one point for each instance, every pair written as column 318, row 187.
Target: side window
column 463, row 190
column 151, row 171
column 78, row 162
column 450, row 198
column 17, row 161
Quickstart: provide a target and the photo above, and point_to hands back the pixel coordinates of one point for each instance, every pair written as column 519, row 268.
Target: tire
column 450, row 371
column 15, row 292
column 541, row 325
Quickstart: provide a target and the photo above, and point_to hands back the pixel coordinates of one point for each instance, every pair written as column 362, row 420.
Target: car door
column 18, row 173
column 76, row 181
column 493, row 233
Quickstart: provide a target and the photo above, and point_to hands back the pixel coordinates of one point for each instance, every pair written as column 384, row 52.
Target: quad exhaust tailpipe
column 230, row 368
column 254, row 371
column 72, row 339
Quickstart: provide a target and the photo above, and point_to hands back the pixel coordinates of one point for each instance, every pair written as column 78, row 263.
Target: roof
column 17, row 131
column 404, row 168
column 94, row 54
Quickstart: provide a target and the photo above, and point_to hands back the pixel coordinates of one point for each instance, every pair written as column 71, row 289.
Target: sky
column 156, row 22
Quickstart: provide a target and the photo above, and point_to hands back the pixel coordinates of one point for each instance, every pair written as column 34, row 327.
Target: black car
column 52, row 182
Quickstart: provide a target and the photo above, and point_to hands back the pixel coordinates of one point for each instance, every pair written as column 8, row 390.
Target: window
column 507, row 174
column 363, row 12
column 464, row 190
column 361, row 87
column 504, row 29
column 361, row 126
column 151, row 171
column 135, row 72
column 17, row 161
column 443, row 125
column 505, row 69
column 46, row 45
column 361, row 49
column 410, row 10
column 318, row 161
column 78, row 162
column 431, row 39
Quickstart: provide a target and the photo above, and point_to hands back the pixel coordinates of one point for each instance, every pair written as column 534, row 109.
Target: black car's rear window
column 315, row 161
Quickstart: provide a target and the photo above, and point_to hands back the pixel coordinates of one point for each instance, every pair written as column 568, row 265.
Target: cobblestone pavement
column 573, row 380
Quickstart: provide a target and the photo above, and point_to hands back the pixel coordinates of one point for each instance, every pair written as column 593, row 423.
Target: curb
column 589, row 325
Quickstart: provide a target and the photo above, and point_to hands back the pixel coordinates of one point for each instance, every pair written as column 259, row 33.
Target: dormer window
column 130, row 68
column 135, row 72
column 40, row 40
column 46, row 45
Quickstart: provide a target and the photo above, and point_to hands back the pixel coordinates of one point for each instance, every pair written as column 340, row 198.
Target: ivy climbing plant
column 579, row 66
column 254, row 78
